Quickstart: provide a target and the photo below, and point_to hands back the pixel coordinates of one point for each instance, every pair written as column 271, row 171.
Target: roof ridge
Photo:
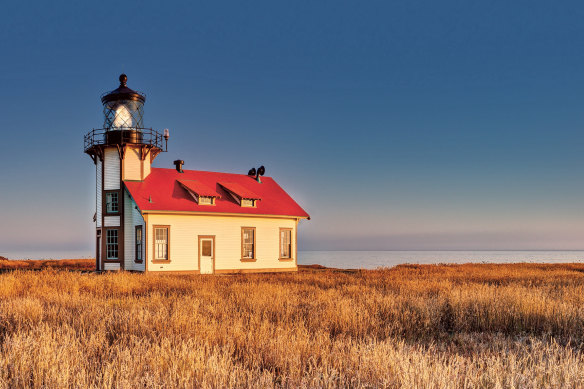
column 207, row 171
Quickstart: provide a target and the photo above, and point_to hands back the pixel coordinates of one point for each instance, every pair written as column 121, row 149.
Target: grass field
column 64, row 264
column 485, row 326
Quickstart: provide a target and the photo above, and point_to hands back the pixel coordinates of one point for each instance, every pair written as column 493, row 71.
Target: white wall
column 132, row 164
column 134, row 169
column 111, row 221
column 132, row 218
column 185, row 229
column 111, row 169
column 147, row 165
column 98, row 192
column 111, row 266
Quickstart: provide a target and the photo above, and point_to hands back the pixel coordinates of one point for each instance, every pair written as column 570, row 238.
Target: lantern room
column 123, row 125
column 123, row 108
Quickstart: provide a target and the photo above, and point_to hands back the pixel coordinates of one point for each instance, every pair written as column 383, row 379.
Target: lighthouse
column 122, row 150
column 175, row 220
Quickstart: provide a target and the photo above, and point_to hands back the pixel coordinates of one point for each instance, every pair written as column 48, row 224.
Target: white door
column 207, row 254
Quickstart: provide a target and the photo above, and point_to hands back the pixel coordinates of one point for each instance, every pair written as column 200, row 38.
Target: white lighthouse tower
column 123, row 150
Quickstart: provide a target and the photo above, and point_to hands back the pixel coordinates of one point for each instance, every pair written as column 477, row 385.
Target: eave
column 199, row 213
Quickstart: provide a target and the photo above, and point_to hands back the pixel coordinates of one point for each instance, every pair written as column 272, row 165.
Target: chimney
column 179, row 164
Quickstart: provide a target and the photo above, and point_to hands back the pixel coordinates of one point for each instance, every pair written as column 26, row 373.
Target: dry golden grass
column 34, row 264
column 485, row 326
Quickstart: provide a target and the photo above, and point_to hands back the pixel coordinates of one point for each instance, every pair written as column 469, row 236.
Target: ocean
column 375, row 259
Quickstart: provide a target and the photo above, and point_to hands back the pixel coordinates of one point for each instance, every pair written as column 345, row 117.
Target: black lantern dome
column 123, row 93
column 123, row 108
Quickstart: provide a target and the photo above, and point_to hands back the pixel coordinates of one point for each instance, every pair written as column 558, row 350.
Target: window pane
column 112, row 244
column 248, row 236
column 161, row 243
column 111, row 200
column 139, row 243
column 206, row 248
column 247, row 243
column 285, row 243
column 205, row 200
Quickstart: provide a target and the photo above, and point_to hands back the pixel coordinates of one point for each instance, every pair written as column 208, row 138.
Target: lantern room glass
column 123, row 114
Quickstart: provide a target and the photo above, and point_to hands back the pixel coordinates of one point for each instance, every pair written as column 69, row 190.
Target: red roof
column 239, row 191
column 167, row 194
column 199, row 189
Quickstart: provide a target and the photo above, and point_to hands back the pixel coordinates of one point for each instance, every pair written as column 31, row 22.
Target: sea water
column 375, row 259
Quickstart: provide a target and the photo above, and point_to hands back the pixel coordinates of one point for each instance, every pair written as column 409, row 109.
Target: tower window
column 161, row 237
column 112, row 244
column 111, row 202
column 248, row 244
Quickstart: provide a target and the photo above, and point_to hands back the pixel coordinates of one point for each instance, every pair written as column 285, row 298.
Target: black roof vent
column 257, row 173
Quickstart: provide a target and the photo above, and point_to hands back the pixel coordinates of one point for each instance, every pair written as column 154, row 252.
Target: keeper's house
column 175, row 220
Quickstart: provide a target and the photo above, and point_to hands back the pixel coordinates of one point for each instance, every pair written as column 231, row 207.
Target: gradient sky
column 396, row 125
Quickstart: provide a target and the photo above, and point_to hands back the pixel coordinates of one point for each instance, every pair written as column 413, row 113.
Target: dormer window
column 206, row 200
column 248, row 203
column 243, row 196
column 202, row 194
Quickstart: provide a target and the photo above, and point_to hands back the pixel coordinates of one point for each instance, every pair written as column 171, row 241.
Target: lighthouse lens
column 123, row 114
column 123, row 118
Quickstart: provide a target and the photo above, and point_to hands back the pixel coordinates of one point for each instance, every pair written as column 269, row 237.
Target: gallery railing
column 120, row 136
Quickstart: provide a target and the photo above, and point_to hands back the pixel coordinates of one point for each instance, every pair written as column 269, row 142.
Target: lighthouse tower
column 123, row 150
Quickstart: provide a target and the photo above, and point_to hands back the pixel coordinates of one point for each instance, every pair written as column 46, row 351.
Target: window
column 205, row 200
column 248, row 243
column 111, row 244
column 161, row 243
column 111, row 202
column 247, row 203
column 285, row 243
column 138, row 257
column 207, row 248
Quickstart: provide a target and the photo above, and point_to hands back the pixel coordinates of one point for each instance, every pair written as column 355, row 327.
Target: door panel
column 207, row 255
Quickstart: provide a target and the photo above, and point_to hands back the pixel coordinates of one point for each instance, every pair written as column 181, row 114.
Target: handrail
column 147, row 136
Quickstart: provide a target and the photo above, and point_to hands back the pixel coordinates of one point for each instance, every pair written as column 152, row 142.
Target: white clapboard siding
column 132, row 218
column 111, row 266
column 111, row 160
column 98, row 193
column 139, row 220
column 128, row 233
column 147, row 163
column 111, row 221
column 132, row 164
column 185, row 229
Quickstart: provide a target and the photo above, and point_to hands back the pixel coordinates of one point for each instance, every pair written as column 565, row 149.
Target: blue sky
column 396, row 125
